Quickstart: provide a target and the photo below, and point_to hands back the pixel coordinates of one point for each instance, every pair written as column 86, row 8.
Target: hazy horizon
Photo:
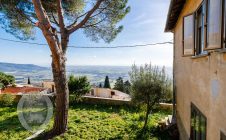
column 48, row 65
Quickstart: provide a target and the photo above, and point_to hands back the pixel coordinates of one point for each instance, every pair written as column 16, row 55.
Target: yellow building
column 108, row 93
column 199, row 28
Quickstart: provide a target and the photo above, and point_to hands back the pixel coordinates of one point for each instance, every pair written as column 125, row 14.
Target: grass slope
column 90, row 122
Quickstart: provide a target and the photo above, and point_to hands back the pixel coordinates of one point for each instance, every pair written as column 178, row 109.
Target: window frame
column 199, row 114
column 204, row 2
column 191, row 14
column 223, row 24
column 222, row 18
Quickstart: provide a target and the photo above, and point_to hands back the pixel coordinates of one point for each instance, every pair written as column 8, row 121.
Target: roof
column 175, row 9
column 15, row 90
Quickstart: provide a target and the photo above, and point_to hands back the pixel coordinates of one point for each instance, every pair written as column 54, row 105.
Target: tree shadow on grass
column 6, row 110
column 149, row 134
column 11, row 124
column 104, row 108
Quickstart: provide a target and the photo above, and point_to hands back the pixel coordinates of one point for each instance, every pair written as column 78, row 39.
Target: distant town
column 95, row 74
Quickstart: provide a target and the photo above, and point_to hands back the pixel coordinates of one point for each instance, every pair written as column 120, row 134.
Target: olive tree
column 58, row 20
column 149, row 85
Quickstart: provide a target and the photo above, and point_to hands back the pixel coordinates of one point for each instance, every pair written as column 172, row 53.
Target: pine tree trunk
column 62, row 99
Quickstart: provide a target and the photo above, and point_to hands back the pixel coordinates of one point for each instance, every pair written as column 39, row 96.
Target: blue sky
column 144, row 24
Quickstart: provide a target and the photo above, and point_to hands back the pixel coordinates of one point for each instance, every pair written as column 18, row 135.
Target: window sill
column 221, row 50
column 201, row 56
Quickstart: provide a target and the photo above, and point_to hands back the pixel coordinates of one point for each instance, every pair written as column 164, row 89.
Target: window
column 198, row 124
column 188, row 35
column 223, row 137
column 200, row 29
column 224, row 21
column 205, row 29
column 214, row 26
column 112, row 93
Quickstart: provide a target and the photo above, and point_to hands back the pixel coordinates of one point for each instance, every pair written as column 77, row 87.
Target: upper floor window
column 198, row 124
column 214, row 26
column 200, row 29
column 188, row 35
column 224, row 21
column 205, row 29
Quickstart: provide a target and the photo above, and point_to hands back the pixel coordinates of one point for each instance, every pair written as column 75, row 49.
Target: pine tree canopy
column 97, row 18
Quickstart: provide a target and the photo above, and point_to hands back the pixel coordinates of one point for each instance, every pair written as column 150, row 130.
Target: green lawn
column 90, row 122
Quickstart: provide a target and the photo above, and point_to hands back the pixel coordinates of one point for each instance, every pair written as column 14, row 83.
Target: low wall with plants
column 10, row 99
column 13, row 99
column 166, row 106
column 107, row 101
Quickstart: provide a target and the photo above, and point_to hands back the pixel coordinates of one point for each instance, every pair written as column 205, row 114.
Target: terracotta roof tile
column 15, row 90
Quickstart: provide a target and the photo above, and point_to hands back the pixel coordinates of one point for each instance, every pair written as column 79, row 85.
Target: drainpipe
column 174, row 81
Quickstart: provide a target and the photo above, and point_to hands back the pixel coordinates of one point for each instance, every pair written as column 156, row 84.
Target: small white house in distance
column 108, row 93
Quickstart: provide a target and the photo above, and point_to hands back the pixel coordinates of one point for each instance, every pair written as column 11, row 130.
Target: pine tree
column 58, row 20
column 107, row 83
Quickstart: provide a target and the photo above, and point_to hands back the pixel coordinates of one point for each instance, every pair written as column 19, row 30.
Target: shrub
column 78, row 86
column 7, row 99
column 150, row 85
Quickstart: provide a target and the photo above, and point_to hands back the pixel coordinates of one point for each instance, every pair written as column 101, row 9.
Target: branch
column 54, row 19
column 45, row 25
column 86, row 18
column 91, row 25
column 24, row 15
column 102, row 9
column 63, row 30
column 60, row 16
column 74, row 23
column 81, row 15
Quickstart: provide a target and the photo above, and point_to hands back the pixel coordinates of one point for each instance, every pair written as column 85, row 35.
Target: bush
column 7, row 99
column 150, row 86
column 78, row 86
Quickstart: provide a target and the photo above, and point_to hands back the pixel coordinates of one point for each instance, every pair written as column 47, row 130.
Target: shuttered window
column 188, row 35
column 214, row 24
column 200, row 30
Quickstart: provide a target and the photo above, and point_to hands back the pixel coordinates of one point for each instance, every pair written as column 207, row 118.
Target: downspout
column 174, row 80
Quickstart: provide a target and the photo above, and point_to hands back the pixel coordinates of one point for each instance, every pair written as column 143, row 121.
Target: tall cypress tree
column 107, row 83
column 28, row 81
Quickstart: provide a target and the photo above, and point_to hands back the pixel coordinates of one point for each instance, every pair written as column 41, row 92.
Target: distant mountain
column 11, row 67
column 95, row 74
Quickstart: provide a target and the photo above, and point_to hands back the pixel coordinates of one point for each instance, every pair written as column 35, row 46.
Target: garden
column 92, row 122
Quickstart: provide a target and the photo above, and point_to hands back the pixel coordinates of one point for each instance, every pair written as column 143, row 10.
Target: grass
column 90, row 122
